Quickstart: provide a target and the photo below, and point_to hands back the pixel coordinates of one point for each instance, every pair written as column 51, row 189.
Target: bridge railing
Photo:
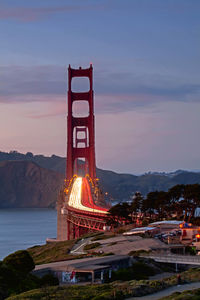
column 175, row 258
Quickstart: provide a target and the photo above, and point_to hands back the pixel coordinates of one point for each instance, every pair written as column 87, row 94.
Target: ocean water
column 23, row 228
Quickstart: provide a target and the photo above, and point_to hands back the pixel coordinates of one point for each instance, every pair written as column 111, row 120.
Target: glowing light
column 75, row 198
column 75, row 195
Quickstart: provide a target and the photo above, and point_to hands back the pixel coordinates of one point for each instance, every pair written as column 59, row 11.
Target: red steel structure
column 80, row 124
column 79, row 212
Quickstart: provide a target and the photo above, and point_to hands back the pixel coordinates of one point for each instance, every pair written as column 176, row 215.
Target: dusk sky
column 146, row 59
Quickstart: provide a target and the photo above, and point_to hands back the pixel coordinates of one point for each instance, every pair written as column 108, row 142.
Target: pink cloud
column 29, row 14
column 52, row 109
column 32, row 98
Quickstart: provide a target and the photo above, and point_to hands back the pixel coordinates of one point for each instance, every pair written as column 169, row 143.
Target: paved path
column 169, row 291
column 122, row 245
column 78, row 247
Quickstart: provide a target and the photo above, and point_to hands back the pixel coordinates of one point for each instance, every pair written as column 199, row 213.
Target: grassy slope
column 69, row 293
column 186, row 295
column 51, row 252
column 57, row 251
column 124, row 289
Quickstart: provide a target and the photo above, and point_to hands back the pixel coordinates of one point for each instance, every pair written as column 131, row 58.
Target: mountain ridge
column 28, row 180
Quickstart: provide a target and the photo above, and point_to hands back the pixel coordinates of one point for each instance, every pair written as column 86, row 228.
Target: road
column 81, row 197
column 78, row 247
column 169, row 291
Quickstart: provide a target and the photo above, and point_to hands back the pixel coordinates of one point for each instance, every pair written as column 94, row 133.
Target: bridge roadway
column 81, row 198
column 176, row 259
column 80, row 210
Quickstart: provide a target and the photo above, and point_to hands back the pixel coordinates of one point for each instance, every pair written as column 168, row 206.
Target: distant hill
column 55, row 163
column 122, row 186
column 25, row 184
column 28, row 180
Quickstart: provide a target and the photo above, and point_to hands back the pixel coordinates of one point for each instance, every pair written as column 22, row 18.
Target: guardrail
column 177, row 259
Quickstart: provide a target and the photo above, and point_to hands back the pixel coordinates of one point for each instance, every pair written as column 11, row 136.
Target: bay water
column 24, row 228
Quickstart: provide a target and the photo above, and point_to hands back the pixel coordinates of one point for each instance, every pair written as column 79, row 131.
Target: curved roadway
column 81, row 197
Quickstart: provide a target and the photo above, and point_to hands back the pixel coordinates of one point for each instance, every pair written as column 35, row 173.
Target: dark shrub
column 14, row 274
column 190, row 250
column 142, row 271
column 138, row 271
column 8, row 280
column 7, row 276
column 3, row 294
column 49, row 280
column 123, row 274
column 20, row 261
column 30, row 282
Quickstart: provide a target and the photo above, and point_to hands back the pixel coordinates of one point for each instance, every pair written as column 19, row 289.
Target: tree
column 161, row 204
column 8, row 280
column 175, row 195
column 119, row 214
column 176, row 192
column 136, row 204
column 156, row 203
column 149, row 204
column 20, row 261
column 29, row 155
column 191, row 200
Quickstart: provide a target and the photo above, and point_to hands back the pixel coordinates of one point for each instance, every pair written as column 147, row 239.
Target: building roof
column 139, row 230
column 167, row 222
column 84, row 264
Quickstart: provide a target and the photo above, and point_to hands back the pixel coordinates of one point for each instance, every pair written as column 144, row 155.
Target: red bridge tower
column 72, row 222
column 80, row 124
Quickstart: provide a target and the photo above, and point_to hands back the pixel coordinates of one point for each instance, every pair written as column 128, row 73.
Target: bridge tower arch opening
column 80, row 141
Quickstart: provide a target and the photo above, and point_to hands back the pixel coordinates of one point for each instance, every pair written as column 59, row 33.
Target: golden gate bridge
column 81, row 207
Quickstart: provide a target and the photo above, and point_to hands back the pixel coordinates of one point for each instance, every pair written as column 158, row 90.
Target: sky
column 146, row 60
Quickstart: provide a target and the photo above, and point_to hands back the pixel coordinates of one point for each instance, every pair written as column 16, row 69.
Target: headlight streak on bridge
column 75, row 200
